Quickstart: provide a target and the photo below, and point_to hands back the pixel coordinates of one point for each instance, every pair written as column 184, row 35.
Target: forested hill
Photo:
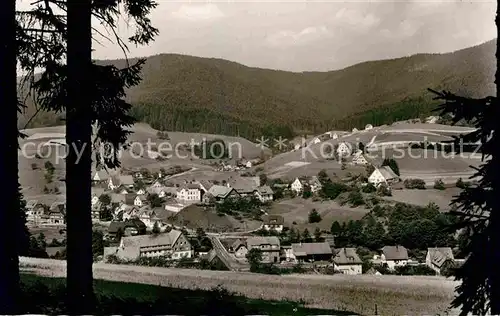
column 193, row 94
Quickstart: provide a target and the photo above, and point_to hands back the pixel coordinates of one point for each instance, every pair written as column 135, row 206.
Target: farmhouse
column 34, row 211
column 312, row 251
column 383, row 175
column 313, row 182
column 204, row 185
column 264, row 193
column 57, row 213
column 244, row 186
column 269, row 246
column 359, row 160
column 189, row 193
column 161, row 191
column 394, row 256
column 134, row 199
column 173, row 244
column 436, row 257
column 239, row 248
column 368, row 127
column 220, row 193
column 130, row 212
column 273, row 222
column 297, row 186
column 347, row 261
column 149, row 217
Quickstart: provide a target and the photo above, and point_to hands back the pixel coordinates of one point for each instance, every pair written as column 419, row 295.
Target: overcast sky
column 313, row 35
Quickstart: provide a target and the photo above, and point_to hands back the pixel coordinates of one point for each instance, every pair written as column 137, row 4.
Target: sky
column 311, row 35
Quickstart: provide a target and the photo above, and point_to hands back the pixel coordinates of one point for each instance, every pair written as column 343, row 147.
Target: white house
column 344, row 149
column 141, row 192
column 316, row 140
column 189, row 193
column 359, row 160
column 355, row 130
column 273, row 222
column 347, row 261
column 368, row 127
column 297, row 186
column 264, row 193
column 315, row 184
column 394, row 256
column 96, row 193
column 239, row 249
column 436, row 257
column 248, row 164
column 382, row 175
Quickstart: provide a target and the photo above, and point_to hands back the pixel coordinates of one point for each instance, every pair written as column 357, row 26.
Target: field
column 422, row 197
column 297, row 210
column 393, row 295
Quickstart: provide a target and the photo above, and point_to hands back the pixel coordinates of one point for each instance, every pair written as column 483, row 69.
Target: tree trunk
column 9, row 260
column 78, row 161
column 495, row 214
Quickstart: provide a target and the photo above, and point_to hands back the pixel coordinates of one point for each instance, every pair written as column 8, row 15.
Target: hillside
column 193, row 94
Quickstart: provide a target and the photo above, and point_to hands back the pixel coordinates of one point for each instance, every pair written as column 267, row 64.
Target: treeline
column 414, row 227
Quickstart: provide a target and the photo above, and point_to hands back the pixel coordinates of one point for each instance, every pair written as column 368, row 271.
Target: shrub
column 461, row 184
column 414, row 184
column 355, row 198
column 369, row 188
column 439, row 185
column 314, row 216
column 384, row 190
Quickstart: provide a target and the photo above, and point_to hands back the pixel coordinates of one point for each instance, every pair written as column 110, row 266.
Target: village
column 154, row 215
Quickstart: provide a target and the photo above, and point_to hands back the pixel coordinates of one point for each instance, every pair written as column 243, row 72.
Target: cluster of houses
column 38, row 213
column 239, row 164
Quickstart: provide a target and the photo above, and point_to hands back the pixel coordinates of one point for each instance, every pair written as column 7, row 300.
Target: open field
column 422, row 197
column 393, row 295
column 297, row 210
column 168, row 300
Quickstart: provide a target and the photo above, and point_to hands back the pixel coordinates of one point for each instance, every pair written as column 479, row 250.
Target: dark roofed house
column 347, row 261
column 437, row 257
column 269, row 246
column 273, row 222
column 312, row 251
column 394, row 256
column 239, row 248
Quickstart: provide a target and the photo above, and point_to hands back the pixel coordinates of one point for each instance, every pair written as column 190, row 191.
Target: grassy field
column 177, row 300
column 297, row 210
column 422, row 197
column 393, row 295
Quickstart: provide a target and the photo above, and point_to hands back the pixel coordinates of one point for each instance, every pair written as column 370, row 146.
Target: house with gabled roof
column 239, row 248
column 264, row 193
column 173, row 245
column 437, row 257
column 311, row 251
column 100, row 176
column 149, row 217
column 383, row 175
column 189, row 193
column 268, row 245
column 273, row 222
column 57, row 213
column 347, row 261
column 34, row 211
column 96, row 194
column 220, row 193
column 394, row 256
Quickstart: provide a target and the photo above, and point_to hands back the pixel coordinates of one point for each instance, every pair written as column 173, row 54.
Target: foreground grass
column 46, row 296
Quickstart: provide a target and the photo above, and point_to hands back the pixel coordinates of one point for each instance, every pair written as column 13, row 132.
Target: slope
column 187, row 93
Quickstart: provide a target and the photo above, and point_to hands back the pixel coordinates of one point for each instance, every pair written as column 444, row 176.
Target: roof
column 189, row 186
column 164, row 239
column 126, row 180
column 311, row 248
column 439, row 256
column 205, row 184
column 129, row 198
column 57, row 207
column 220, row 191
column 245, row 184
column 259, row 240
column 117, row 198
column 273, row 219
column 387, row 172
column 265, row 189
column 237, row 243
column 395, row 253
column 102, row 174
column 346, row 256
column 31, row 204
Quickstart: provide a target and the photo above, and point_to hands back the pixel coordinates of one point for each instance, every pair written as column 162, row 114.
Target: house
column 57, row 213
column 297, row 186
column 141, row 191
column 100, row 176
column 189, row 193
column 130, row 212
column 344, row 149
column 161, row 191
column 149, row 218
column 134, row 199
column 269, row 246
column 316, row 140
column 204, row 185
column 394, row 256
column 436, row 257
column 311, row 251
column 123, row 190
column 273, row 222
column 130, row 227
column 156, row 184
column 174, row 207
column 127, row 181
column 383, row 175
column 96, row 211
column 220, row 193
column 245, row 186
column 239, row 249
column 286, row 254
column 34, row 211
column 96, row 194
column 432, row 119
column 172, row 244
column 359, row 160
column 264, row 193
column 355, row 130
column 347, row 261
column 368, row 127
column 315, row 184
